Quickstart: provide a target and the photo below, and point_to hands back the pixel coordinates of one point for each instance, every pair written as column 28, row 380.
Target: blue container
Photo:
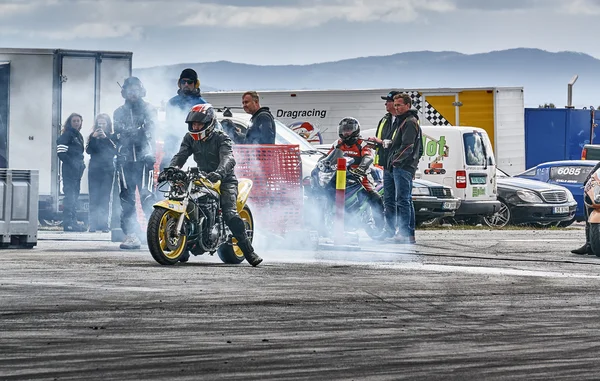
column 557, row 134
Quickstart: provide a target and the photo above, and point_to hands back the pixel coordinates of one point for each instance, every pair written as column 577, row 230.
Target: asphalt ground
column 460, row 305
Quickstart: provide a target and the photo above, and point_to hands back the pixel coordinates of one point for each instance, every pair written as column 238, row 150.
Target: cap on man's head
column 132, row 81
column 390, row 96
column 189, row 74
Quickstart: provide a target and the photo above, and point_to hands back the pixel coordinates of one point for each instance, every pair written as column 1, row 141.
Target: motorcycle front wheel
column 229, row 252
column 165, row 246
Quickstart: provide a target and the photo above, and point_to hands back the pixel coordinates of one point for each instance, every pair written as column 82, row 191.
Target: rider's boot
column 585, row 249
column 249, row 253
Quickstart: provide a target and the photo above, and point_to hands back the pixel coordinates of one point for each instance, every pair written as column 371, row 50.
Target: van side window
column 474, row 150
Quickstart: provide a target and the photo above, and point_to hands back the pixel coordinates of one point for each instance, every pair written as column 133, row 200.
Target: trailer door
column 4, row 106
column 113, row 72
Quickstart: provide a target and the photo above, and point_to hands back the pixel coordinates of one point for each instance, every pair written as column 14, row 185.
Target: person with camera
column 101, row 172
column 134, row 124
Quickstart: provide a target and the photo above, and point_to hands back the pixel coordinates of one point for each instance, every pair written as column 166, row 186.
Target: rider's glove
column 358, row 172
column 162, row 177
column 213, row 177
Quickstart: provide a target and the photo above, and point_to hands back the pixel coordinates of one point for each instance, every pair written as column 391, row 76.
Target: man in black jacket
column 406, row 148
column 188, row 95
column 261, row 129
column 213, row 153
column 134, row 125
column 586, row 248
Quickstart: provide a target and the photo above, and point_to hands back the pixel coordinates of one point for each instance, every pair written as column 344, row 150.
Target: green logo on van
column 432, row 147
column 478, row 191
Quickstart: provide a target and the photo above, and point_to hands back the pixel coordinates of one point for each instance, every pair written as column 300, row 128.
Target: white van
column 461, row 158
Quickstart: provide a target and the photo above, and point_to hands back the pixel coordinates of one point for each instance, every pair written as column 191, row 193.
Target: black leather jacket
column 134, row 125
column 261, row 129
column 215, row 154
column 69, row 147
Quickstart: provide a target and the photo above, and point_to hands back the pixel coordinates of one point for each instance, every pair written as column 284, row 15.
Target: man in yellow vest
column 384, row 132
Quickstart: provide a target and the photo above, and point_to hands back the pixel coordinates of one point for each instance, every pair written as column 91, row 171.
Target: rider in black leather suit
column 213, row 153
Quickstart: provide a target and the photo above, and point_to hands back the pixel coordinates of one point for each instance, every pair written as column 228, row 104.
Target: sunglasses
column 188, row 81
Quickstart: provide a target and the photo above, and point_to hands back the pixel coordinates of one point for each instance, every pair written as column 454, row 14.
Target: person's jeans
column 389, row 201
column 405, row 209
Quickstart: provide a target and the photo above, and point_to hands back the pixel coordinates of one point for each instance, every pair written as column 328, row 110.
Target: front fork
column 185, row 203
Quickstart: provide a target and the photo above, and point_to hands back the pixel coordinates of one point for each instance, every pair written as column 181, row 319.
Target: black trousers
column 132, row 176
column 71, row 190
column 100, row 181
column 229, row 192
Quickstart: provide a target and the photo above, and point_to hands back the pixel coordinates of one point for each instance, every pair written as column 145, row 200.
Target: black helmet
column 133, row 86
column 202, row 113
column 349, row 130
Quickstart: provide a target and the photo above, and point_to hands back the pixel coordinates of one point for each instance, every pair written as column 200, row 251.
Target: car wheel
column 499, row 219
column 565, row 224
column 431, row 222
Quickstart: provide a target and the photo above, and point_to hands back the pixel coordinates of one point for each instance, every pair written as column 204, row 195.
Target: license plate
column 449, row 205
column 561, row 209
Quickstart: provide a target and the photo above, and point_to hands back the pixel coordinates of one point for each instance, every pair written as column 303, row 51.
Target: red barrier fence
column 276, row 197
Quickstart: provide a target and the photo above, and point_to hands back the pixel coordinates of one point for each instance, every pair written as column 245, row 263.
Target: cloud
column 314, row 14
column 72, row 19
column 582, row 7
column 96, row 30
column 9, row 9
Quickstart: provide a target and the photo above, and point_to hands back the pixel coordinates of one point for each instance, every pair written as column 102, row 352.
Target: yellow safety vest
column 378, row 134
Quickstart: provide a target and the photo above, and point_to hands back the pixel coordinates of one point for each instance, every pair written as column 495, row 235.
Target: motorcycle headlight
column 325, row 178
column 420, row 191
column 528, row 196
column 596, row 194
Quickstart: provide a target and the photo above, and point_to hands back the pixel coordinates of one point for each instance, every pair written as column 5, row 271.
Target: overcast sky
column 297, row 31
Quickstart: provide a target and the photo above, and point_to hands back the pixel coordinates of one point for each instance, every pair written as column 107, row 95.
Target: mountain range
column 543, row 75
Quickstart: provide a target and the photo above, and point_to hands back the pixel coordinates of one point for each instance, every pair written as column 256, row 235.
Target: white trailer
column 39, row 89
column 498, row 110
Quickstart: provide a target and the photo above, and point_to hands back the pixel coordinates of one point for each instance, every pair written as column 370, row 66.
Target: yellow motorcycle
column 189, row 220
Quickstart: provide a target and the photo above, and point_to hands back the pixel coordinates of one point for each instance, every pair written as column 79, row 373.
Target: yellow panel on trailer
column 442, row 105
column 477, row 110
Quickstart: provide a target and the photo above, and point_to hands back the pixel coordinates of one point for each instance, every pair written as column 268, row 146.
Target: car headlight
column 420, row 191
column 569, row 195
column 528, row 196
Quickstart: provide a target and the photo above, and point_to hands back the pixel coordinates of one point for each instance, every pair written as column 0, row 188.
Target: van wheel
column 499, row 219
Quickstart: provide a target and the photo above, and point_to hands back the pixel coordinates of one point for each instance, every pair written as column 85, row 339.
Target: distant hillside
column 544, row 75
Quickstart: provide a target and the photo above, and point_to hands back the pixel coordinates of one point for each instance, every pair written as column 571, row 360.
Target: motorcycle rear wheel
column 230, row 252
column 166, row 248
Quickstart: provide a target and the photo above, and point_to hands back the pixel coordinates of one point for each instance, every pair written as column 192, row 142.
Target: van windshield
column 474, row 149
